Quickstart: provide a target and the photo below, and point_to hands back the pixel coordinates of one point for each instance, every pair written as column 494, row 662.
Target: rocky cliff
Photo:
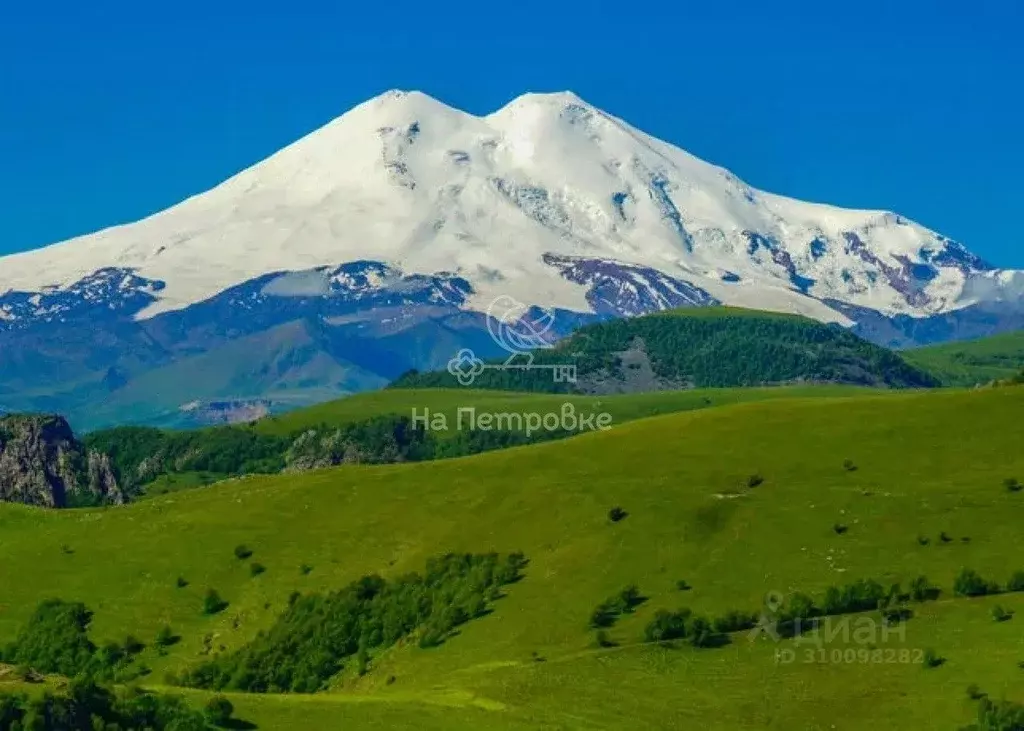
column 42, row 463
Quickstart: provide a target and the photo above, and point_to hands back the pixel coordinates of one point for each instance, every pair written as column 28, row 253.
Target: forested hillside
column 702, row 347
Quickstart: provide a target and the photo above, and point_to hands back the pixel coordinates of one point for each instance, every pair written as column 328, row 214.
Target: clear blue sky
column 111, row 111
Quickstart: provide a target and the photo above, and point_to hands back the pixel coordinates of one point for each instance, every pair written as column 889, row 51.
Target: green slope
column 384, row 427
column 701, row 347
column 972, row 362
column 448, row 401
column 927, row 464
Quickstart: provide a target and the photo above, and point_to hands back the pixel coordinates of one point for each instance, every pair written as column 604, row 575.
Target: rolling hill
column 885, row 487
column 697, row 347
column 972, row 362
column 382, row 426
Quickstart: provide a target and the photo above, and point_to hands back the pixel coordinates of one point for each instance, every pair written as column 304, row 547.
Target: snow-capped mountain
column 405, row 210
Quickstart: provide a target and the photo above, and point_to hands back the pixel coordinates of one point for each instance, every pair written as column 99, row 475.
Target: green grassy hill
column 862, row 487
column 153, row 461
column 973, row 361
column 701, row 347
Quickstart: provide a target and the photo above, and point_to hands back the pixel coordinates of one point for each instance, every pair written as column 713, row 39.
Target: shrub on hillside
column 997, row 716
column 213, row 603
column 55, row 640
column 84, row 705
column 735, row 621
column 1000, row 614
column 969, row 583
column 921, row 590
column 242, row 552
column 166, row 637
column 931, row 659
column 616, row 514
column 668, row 625
column 1016, row 582
column 625, row 602
column 219, row 710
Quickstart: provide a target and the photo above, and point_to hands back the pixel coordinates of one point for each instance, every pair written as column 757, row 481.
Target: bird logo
column 512, row 325
column 515, row 328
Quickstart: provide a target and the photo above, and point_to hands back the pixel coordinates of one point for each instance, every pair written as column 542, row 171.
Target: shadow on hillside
column 237, row 723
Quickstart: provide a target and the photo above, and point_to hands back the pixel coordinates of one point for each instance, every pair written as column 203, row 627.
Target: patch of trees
column 55, row 640
column 708, row 349
column 683, row 625
column 608, row 612
column 86, row 706
column 970, row 583
column 141, row 455
column 318, row 634
column 996, row 715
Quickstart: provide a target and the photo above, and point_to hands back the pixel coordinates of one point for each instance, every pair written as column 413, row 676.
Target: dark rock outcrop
column 42, row 463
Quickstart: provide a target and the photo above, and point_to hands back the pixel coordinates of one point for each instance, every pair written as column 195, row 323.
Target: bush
column 213, row 603
column 735, row 621
column 616, row 514
column 998, row 716
column 683, row 585
column 608, row 611
column 166, row 637
column 86, row 705
column 1000, row 614
column 667, row 625
column 849, row 466
column 133, row 645
column 975, row 693
column 219, row 710
column 896, row 615
column 754, row 480
column 604, row 615
column 55, row 639
column 931, row 659
column 242, row 552
column 1012, row 484
column 969, row 583
column 182, row 583
column 255, row 569
column 702, row 634
column 304, row 569
column 839, row 528
column 1016, row 582
column 601, row 639
column 921, row 590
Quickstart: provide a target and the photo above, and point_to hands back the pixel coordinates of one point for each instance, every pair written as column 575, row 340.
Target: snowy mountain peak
column 506, row 202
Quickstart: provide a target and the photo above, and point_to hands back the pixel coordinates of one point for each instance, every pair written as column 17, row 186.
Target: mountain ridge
column 694, row 217
column 392, row 228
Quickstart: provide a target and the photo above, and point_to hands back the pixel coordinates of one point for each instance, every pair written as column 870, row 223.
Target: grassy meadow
column 914, row 480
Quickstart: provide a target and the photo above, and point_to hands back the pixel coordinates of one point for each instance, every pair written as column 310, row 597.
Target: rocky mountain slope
column 42, row 463
column 376, row 243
